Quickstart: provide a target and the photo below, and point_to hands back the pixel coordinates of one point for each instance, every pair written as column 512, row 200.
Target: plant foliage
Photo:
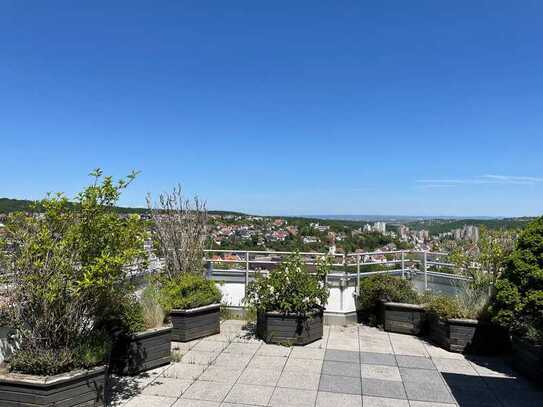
column 187, row 290
column 291, row 288
column 518, row 303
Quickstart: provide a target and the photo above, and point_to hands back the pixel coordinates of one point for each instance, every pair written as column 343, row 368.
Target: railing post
column 403, row 264
column 425, row 269
column 358, row 274
column 246, row 271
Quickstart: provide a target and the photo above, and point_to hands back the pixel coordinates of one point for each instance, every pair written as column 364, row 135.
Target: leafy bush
column 383, row 287
column 69, row 265
column 290, row 288
column 518, row 303
column 465, row 305
column 187, row 290
column 153, row 314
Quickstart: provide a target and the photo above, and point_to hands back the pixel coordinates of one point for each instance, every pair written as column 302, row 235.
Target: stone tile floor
column 351, row 366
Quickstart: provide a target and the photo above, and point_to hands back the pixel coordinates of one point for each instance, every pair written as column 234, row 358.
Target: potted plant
column 391, row 302
column 67, row 261
column 142, row 340
column 518, row 302
column 290, row 302
column 180, row 232
column 193, row 306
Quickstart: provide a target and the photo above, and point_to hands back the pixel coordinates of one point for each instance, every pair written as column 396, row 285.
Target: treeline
column 436, row 226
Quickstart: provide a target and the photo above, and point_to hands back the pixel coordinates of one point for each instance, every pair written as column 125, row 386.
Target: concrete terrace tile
column 340, row 384
column 232, row 360
column 268, row 362
column 492, row 367
column 303, row 365
column 298, row 380
column 220, row 374
column 351, row 346
column 328, row 399
column 150, row 401
column 458, row 366
column 293, row 398
column 383, row 388
column 479, row 396
column 420, row 375
column 365, row 330
column 242, row 348
column 210, row 391
column 418, row 362
column 437, row 352
column 210, row 346
column 370, row 401
column 332, row 368
column 373, row 358
column 414, row 403
column 250, row 394
column 194, row 357
column 307, row 353
column 183, row 347
column 195, row 403
column 409, row 348
column 165, row 387
column 383, row 346
column 273, row 350
column 184, row 371
column 380, row 372
column 342, row 356
column 428, row 391
column 263, row 377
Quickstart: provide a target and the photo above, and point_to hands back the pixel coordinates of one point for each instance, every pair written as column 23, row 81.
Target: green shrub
column 153, row 314
column 444, row 307
column 187, row 290
column 383, row 287
column 518, row 302
column 290, row 288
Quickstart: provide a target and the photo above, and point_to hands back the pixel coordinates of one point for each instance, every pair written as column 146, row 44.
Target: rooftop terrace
column 351, row 366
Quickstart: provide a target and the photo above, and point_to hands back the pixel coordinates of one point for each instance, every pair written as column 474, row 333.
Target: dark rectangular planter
column 142, row 351
column 72, row 389
column 403, row 318
column 289, row 329
column 528, row 359
column 467, row 335
column 195, row 323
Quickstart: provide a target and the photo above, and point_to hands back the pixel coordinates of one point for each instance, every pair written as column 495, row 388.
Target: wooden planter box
column 289, row 329
column 142, row 351
column 403, row 318
column 189, row 324
column 77, row 388
column 528, row 359
column 467, row 335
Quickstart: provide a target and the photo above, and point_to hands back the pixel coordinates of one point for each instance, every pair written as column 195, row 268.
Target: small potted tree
column 391, row 302
column 191, row 301
column 290, row 302
column 142, row 339
column 68, row 263
column 518, row 303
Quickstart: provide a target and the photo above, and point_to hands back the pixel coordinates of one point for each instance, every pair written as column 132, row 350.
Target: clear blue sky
column 282, row 107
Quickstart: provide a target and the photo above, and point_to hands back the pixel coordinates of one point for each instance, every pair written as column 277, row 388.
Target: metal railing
column 404, row 262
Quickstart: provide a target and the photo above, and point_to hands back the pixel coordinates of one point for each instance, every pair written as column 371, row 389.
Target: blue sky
column 391, row 107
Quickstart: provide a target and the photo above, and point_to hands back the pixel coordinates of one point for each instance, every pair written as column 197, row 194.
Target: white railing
column 392, row 262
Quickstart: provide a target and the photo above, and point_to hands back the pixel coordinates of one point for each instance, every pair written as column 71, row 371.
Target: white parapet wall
column 340, row 309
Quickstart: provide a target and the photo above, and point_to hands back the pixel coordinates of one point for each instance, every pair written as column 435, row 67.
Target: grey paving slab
column 428, row 391
column 263, row 377
column 375, row 358
column 250, row 394
column 166, row 387
column 195, row 403
column 414, row 403
column 383, row 388
column 232, row 360
column 307, row 353
column 340, row 384
column 303, row 365
column 210, row 391
column 474, row 396
column 298, row 380
column 273, row 350
column 370, row 401
column 333, row 368
column 380, row 372
column 328, row 399
column 458, row 366
column 420, row 375
column 150, row 401
column 194, row 357
column 418, row 362
column 268, row 362
column 184, row 371
column 243, row 348
column 283, row 397
column 220, row 374
column 342, row 356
